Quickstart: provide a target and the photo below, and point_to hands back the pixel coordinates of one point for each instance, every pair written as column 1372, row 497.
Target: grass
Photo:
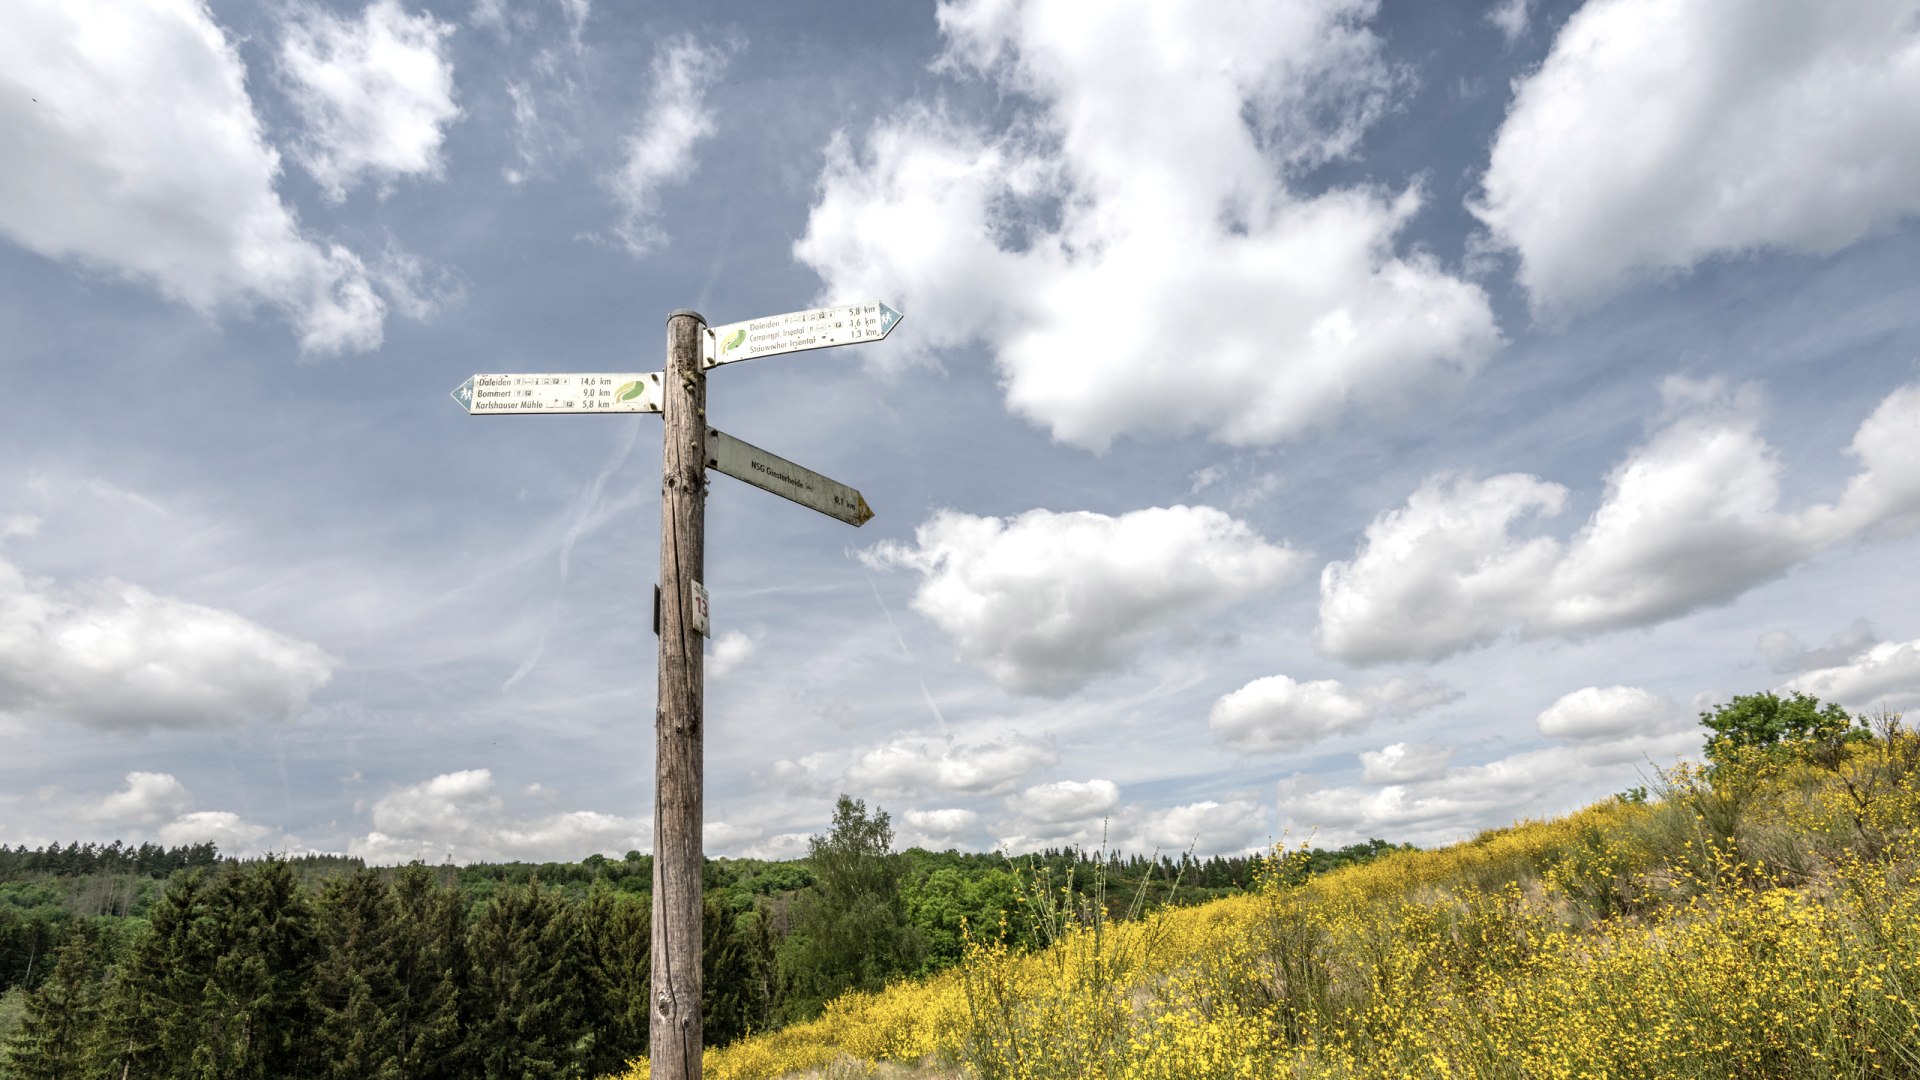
column 1757, row 919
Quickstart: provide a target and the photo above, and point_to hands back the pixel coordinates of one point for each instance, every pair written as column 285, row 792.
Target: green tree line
column 318, row 966
column 244, row 972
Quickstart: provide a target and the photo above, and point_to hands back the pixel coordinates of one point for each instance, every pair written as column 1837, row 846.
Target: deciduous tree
column 850, row 929
column 1767, row 719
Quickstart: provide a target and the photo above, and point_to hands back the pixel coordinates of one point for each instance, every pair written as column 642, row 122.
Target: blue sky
column 1321, row 420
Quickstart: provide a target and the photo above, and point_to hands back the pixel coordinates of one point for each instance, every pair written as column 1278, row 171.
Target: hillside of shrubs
column 1755, row 916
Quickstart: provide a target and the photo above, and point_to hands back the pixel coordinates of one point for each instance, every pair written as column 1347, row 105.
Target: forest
column 142, row 961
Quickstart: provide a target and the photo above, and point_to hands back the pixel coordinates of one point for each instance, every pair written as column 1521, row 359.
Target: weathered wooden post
column 674, row 1026
column 691, row 448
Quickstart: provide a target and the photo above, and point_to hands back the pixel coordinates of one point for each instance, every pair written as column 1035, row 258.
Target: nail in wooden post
column 678, row 724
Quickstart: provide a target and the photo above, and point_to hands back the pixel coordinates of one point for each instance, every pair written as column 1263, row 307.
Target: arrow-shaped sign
column 770, row 472
column 560, row 392
column 798, row 331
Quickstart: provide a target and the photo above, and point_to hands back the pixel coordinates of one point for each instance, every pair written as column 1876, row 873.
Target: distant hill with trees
column 178, row 962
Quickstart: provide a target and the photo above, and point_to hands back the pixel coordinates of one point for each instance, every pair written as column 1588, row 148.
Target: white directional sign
column 560, row 392
column 770, row 472
column 797, row 331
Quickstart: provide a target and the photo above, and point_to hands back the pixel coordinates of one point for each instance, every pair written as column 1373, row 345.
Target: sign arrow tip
column 888, row 317
column 463, row 394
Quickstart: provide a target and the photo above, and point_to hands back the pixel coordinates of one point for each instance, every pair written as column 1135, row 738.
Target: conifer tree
column 432, row 977
column 60, row 1019
column 735, row 962
column 154, row 1015
column 615, row 951
column 356, row 991
column 258, row 1004
column 527, row 1021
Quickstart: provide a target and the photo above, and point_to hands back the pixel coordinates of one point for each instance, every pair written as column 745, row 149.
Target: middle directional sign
column 798, row 331
column 560, row 392
column 771, row 472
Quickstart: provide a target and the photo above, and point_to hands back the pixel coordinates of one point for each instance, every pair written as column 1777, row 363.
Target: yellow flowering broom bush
column 1760, row 918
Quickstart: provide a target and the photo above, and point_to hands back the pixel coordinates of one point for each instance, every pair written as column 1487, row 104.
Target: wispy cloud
column 375, row 94
column 660, row 152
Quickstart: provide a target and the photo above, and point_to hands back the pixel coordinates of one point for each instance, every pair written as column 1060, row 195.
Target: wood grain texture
column 679, row 720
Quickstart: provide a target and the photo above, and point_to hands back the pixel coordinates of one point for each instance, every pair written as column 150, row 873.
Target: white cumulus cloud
column 1437, row 804
column 151, row 806
column 1280, row 713
column 1045, row 602
column 1208, row 828
column 459, row 814
column 1658, row 134
column 661, row 151
column 1886, row 675
column 231, row 833
column 1400, row 763
column 1611, row 712
column 780, row 847
column 1787, row 654
column 1128, row 247
column 1065, row 801
column 722, row 838
column 149, row 799
column 916, row 763
column 374, row 93
column 1089, row 816
column 112, row 655
column 134, row 149
column 1065, row 813
column 937, row 830
column 1690, row 518
column 730, row 650
column 913, row 764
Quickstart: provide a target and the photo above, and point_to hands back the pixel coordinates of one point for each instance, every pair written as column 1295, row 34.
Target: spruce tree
column 355, row 981
column 614, row 954
column 735, row 970
column 154, row 1010
column 60, row 1019
column 528, row 1017
column 432, row 977
column 259, row 1021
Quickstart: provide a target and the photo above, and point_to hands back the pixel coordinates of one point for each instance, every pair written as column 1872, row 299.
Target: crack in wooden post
column 675, row 1025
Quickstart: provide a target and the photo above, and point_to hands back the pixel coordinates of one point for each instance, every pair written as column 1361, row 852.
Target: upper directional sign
column 770, row 472
column 560, row 392
column 798, row 331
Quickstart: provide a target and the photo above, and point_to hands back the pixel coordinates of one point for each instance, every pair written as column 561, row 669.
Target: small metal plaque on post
column 702, row 619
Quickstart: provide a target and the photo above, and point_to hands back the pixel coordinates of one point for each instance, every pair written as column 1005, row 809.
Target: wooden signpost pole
column 675, row 1016
column 680, row 394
